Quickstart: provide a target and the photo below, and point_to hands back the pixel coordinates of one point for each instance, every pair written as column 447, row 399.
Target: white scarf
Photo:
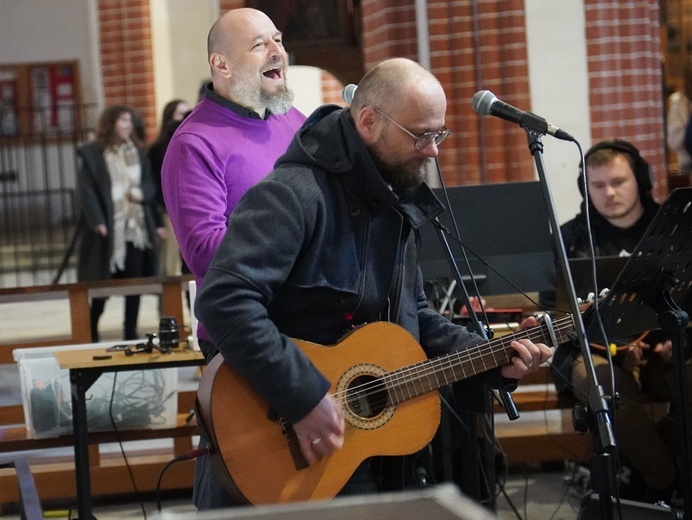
column 125, row 171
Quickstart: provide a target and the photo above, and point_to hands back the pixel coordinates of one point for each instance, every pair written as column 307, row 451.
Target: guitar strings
column 475, row 353
column 398, row 379
column 404, row 374
column 472, row 355
column 395, row 378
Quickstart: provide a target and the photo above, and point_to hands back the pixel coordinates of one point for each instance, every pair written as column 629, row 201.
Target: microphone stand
column 604, row 446
column 503, row 395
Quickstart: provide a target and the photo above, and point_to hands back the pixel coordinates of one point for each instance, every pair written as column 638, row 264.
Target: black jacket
column 318, row 247
column 608, row 239
column 96, row 205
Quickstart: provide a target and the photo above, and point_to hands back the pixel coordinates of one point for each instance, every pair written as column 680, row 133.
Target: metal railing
column 38, row 212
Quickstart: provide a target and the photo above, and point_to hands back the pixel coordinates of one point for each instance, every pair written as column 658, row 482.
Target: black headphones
column 642, row 171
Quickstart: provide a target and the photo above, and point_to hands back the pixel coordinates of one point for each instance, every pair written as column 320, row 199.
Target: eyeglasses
column 422, row 140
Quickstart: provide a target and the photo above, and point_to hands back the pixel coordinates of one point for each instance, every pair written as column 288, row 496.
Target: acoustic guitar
column 388, row 398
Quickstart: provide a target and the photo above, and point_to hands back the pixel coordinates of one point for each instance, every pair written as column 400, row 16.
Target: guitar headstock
column 591, row 299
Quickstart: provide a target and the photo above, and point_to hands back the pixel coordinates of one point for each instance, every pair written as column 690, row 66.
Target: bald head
column 248, row 61
column 230, row 23
column 399, row 112
column 393, row 81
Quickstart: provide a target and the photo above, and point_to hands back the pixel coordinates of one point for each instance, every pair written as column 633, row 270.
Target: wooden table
column 85, row 366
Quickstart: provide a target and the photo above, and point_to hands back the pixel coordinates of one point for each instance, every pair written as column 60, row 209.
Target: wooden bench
column 545, row 432
column 54, row 475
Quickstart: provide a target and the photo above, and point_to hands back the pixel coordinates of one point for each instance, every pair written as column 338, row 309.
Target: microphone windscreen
column 482, row 101
column 348, row 92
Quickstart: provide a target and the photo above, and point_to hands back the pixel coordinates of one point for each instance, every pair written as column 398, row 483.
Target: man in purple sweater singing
column 231, row 139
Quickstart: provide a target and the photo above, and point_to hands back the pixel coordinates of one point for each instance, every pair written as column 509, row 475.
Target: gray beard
column 278, row 103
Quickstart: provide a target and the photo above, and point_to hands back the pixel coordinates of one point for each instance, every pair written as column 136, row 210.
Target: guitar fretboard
column 414, row 380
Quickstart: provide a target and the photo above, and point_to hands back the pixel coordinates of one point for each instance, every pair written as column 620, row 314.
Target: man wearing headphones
column 621, row 206
column 620, row 210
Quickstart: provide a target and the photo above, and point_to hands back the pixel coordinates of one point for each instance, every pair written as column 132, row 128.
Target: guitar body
column 252, row 453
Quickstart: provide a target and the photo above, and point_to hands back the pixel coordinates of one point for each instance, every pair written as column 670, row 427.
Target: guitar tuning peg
column 604, row 293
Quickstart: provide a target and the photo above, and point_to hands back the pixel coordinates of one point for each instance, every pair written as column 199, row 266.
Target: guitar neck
column 414, row 380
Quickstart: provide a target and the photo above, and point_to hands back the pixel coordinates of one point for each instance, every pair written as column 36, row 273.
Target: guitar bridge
column 293, row 445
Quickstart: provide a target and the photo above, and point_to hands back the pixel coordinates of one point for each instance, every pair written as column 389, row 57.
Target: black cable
column 479, row 323
column 559, row 504
column 122, row 450
column 454, row 413
column 463, row 248
column 137, row 402
column 592, row 251
column 152, row 397
column 189, row 455
column 503, row 491
column 498, row 446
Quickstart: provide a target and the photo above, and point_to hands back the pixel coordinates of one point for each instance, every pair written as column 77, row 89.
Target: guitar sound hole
column 367, row 396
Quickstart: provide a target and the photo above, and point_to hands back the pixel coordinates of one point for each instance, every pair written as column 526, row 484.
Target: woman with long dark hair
column 119, row 217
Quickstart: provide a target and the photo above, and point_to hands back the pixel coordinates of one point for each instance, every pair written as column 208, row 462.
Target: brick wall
column 331, row 89
column 127, row 54
column 126, row 57
column 626, row 92
column 482, row 45
column 473, row 46
column 389, row 30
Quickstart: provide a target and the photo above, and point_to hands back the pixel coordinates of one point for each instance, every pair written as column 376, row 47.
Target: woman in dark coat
column 119, row 218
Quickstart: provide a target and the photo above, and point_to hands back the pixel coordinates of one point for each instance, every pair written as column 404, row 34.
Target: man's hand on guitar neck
column 321, row 432
column 529, row 356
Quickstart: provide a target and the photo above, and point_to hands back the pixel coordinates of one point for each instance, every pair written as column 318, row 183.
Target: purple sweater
column 216, row 154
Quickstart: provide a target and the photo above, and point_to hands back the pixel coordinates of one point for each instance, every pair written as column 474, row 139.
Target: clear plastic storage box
column 139, row 399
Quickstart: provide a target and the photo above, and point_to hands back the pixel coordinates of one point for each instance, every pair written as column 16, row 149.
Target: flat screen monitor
column 506, row 232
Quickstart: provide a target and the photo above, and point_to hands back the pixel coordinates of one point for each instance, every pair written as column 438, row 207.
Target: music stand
column 654, row 290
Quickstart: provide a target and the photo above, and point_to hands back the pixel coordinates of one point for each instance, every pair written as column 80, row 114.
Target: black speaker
column 642, row 170
column 591, row 510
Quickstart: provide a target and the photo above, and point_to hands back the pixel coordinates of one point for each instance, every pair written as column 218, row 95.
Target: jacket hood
column 323, row 141
column 328, row 141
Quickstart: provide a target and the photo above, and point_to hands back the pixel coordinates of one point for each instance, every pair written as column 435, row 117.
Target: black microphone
column 348, row 92
column 485, row 103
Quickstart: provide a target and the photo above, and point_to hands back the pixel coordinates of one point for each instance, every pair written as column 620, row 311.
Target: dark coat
column 96, row 206
column 319, row 246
